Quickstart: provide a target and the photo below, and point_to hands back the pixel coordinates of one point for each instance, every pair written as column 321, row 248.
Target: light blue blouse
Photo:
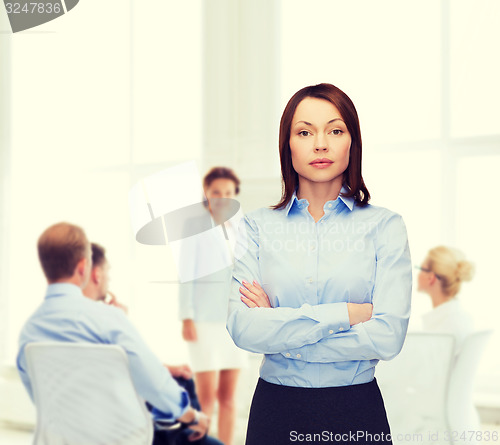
column 310, row 272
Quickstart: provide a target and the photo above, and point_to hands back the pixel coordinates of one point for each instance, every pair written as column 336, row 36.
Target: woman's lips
column 321, row 163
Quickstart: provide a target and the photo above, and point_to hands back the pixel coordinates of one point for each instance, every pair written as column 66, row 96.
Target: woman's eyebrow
column 309, row 123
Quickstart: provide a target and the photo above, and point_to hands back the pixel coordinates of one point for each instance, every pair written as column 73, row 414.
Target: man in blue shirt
column 66, row 315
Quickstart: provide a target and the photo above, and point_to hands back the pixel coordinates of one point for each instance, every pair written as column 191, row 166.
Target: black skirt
column 282, row 415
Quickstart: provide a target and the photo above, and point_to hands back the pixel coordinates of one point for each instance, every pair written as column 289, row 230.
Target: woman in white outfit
column 441, row 276
column 203, row 304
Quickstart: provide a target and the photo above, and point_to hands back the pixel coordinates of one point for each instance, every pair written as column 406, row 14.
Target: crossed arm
column 253, row 295
column 328, row 332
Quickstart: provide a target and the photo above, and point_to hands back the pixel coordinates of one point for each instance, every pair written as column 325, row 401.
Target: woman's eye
column 304, row 133
column 337, row 132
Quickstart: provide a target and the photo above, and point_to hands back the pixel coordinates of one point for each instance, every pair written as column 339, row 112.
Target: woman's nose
column 320, row 143
column 320, row 148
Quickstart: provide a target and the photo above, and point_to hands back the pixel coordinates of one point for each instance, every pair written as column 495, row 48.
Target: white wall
column 101, row 97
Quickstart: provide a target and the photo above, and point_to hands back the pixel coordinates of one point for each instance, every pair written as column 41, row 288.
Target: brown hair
column 60, row 248
column 451, row 267
column 98, row 254
column 221, row 172
column 353, row 179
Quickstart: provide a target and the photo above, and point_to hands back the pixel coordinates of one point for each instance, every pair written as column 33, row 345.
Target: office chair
column 462, row 413
column 84, row 395
column 428, row 391
column 414, row 386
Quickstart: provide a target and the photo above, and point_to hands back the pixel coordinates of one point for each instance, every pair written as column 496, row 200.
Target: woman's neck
column 318, row 193
column 438, row 298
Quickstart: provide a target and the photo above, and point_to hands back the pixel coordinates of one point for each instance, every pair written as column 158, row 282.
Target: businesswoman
column 215, row 360
column 323, row 289
column 441, row 276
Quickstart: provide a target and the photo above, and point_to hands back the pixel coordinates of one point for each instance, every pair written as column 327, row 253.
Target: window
column 95, row 107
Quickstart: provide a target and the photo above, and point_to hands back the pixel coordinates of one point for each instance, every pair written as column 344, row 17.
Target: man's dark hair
column 98, row 255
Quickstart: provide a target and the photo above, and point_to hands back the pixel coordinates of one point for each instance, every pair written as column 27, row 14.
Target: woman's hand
column 189, row 330
column 253, row 295
column 359, row 312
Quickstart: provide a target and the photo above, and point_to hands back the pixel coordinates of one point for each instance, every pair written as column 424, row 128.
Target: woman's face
column 319, row 141
column 423, row 277
column 220, row 188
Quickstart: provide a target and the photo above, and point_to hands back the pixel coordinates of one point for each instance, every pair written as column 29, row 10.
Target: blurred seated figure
column 65, row 315
column 441, row 276
column 428, row 388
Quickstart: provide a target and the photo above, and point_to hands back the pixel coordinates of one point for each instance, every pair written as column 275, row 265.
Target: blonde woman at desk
column 441, row 276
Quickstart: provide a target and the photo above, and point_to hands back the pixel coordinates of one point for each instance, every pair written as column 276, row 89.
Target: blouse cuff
column 333, row 317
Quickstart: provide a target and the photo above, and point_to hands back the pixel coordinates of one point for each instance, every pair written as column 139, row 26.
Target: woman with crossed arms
column 323, row 289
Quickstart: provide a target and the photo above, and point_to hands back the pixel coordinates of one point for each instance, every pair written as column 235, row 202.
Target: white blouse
column 449, row 318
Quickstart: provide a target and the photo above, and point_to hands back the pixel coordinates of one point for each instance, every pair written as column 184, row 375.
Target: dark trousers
column 180, row 436
column 165, row 438
column 282, row 415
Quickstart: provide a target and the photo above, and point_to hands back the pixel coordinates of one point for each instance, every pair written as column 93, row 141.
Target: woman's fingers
column 250, row 296
column 258, row 290
column 257, row 285
column 255, row 293
column 248, row 302
column 254, row 288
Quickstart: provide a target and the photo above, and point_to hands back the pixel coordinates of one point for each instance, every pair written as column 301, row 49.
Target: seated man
column 97, row 290
column 66, row 315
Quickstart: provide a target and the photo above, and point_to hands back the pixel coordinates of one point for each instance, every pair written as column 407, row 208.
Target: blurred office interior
column 115, row 91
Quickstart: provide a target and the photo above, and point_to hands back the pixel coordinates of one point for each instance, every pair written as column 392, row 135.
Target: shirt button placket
column 317, row 233
column 310, row 270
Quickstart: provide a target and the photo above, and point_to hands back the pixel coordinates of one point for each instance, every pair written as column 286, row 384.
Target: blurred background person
column 203, row 305
column 66, row 315
column 441, row 276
